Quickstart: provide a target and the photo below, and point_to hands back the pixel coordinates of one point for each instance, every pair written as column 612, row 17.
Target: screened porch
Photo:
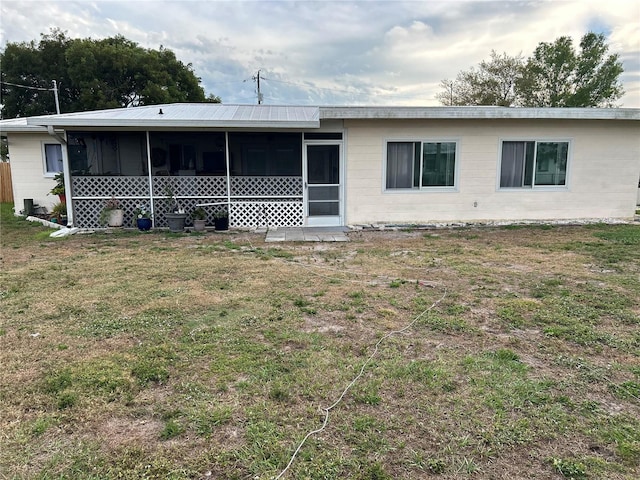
column 255, row 176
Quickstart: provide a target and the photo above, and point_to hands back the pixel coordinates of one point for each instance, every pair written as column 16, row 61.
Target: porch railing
column 255, row 201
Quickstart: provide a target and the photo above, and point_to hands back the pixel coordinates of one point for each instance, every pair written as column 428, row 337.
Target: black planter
column 221, row 223
column 144, row 224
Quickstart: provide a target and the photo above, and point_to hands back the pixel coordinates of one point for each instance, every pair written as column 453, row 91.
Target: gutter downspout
column 226, row 148
column 151, row 206
column 65, row 171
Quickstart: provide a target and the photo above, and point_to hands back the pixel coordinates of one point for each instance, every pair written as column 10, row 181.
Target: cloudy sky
column 335, row 52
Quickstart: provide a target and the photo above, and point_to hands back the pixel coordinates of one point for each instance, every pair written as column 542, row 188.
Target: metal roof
column 19, row 125
column 189, row 115
column 476, row 112
column 217, row 115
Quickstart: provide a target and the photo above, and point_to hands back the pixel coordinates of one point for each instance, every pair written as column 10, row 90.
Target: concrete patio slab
column 307, row 234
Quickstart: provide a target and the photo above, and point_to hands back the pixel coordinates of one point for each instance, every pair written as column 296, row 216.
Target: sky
column 336, row 52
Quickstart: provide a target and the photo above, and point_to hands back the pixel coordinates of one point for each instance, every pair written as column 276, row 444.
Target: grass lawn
column 158, row 355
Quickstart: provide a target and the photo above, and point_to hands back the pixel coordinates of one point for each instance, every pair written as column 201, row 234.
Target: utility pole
column 55, row 94
column 257, row 79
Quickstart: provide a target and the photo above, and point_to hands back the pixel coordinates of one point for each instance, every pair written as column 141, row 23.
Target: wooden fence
column 6, row 187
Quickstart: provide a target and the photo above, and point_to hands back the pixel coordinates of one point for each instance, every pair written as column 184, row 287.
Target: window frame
column 422, row 189
column 533, row 186
column 47, row 173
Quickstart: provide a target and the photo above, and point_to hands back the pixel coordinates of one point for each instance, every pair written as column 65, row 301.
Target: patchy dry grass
column 154, row 355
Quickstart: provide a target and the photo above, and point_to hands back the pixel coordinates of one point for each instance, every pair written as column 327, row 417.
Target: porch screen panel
column 265, row 154
column 400, row 159
column 323, row 165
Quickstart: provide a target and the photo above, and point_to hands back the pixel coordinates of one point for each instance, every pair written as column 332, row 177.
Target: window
column 531, row 164
column 416, row 165
column 52, row 158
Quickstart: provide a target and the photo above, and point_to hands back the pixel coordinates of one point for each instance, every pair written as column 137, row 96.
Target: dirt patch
column 116, row 432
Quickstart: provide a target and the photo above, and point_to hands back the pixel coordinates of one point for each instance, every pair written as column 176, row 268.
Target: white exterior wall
column 27, row 170
column 602, row 177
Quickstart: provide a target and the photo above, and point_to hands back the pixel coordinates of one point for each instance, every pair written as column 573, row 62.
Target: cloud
column 338, row 52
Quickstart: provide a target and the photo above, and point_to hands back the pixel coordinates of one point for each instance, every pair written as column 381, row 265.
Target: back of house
column 333, row 166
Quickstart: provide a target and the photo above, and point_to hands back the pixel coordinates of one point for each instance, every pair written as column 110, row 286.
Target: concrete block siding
column 604, row 162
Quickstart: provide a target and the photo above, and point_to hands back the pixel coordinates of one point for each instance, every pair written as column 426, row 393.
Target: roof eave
column 150, row 124
column 30, row 129
column 478, row 112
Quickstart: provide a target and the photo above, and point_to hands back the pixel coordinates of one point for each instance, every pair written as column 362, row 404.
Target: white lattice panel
column 190, row 191
column 86, row 213
column 191, row 186
column 266, row 186
column 266, row 214
column 110, row 186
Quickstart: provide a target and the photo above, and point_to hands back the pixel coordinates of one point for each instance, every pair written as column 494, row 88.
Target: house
column 334, row 166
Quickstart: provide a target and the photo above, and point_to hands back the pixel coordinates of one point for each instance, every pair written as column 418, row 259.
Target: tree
column 554, row 76
column 92, row 74
column 493, row 83
column 33, row 65
column 557, row 76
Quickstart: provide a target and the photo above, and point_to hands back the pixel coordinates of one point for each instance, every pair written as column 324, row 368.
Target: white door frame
column 323, row 221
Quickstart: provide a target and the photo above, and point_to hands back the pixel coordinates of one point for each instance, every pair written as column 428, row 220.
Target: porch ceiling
column 189, row 115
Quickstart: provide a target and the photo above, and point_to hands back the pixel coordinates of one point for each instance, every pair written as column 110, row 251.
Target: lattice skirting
column 260, row 210
column 86, row 213
column 267, row 214
column 258, row 213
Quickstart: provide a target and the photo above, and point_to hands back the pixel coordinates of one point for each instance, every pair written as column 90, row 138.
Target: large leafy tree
column 554, row 76
column 92, row 74
column 558, row 76
column 492, row 83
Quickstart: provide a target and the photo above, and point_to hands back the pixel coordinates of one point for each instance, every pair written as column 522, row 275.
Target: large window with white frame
column 530, row 164
column 52, row 158
column 421, row 165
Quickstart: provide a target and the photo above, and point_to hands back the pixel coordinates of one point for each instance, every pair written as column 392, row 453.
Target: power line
column 40, row 89
column 337, row 90
column 313, row 86
column 27, row 86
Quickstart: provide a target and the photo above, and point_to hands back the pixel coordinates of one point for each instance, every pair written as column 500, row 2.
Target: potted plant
column 199, row 219
column 142, row 217
column 176, row 216
column 59, row 188
column 221, row 220
column 59, row 213
column 112, row 214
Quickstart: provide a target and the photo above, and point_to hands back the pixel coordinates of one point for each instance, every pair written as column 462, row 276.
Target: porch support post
column 226, row 154
column 65, row 171
column 153, row 217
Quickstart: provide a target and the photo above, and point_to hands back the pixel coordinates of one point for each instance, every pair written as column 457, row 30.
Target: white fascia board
column 19, row 125
column 469, row 113
column 150, row 124
column 22, row 129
